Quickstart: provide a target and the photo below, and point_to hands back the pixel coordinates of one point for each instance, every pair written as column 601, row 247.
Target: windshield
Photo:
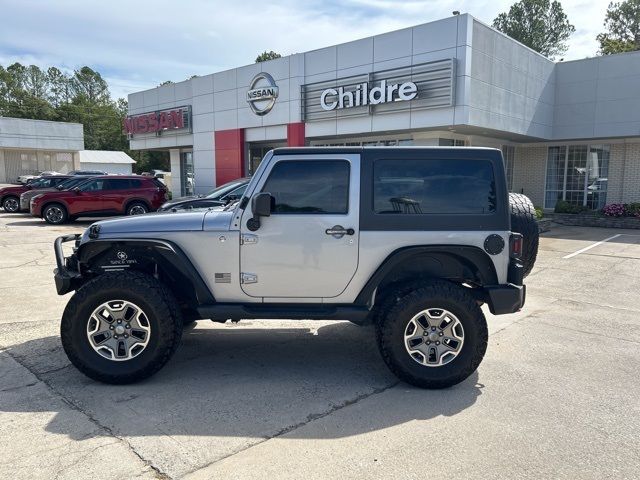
column 40, row 182
column 221, row 190
column 72, row 182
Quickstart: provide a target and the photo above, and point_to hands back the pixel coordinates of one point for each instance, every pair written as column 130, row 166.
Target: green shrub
column 565, row 207
column 539, row 213
column 633, row 209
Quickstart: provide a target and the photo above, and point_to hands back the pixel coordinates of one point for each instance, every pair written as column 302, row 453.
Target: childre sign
column 332, row 98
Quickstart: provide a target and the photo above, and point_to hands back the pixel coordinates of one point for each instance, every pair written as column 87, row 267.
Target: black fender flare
column 188, row 282
column 459, row 259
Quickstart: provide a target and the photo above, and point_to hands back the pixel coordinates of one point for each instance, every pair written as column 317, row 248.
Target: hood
column 16, row 189
column 152, row 223
column 37, row 191
column 178, row 200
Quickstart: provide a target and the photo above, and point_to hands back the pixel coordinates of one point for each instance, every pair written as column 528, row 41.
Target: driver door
column 296, row 252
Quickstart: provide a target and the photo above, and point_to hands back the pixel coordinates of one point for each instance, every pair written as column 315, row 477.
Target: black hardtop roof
column 460, row 152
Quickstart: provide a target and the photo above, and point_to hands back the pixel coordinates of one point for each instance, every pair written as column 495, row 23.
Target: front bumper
column 66, row 275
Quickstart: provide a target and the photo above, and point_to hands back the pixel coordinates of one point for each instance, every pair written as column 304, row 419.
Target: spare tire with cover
column 523, row 221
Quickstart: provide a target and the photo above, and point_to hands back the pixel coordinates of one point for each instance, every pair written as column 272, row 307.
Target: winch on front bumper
column 67, row 274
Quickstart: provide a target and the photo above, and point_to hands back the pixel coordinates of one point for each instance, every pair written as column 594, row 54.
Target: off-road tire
column 523, row 221
column 63, row 218
column 159, row 306
column 11, row 204
column 402, row 305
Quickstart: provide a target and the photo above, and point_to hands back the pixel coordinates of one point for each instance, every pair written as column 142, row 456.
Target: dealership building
column 29, row 146
column 568, row 130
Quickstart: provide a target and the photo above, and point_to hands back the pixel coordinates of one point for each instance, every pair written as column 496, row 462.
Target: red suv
column 10, row 196
column 104, row 195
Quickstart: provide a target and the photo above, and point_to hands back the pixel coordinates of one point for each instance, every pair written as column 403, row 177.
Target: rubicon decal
column 262, row 93
column 333, row 98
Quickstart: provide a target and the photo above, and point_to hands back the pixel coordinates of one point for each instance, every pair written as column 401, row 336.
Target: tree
column 622, row 22
column 541, row 25
column 264, row 56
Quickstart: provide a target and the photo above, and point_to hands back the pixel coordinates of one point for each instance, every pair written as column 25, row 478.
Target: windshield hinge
column 248, row 239
column 248, row 278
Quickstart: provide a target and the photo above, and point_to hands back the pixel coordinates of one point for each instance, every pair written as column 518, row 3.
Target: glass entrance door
column 187, row 177
column 257, row 151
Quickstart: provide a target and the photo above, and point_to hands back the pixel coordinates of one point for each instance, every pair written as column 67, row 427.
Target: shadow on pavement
column 243, row 382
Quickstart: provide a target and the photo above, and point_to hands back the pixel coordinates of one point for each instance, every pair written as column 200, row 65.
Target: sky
column 136, row 45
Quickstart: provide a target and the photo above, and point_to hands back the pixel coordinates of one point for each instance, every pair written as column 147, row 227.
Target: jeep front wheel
column 121, row 327
column 433, row 335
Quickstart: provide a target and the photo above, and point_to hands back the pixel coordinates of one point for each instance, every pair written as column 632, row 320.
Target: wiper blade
column 230, row 205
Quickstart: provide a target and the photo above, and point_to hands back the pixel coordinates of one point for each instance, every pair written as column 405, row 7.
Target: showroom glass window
column 309, row 187
column 433, row 187
column 577, row 174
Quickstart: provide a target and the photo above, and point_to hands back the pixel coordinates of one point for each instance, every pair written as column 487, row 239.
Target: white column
column 3, row 177
column 176, row 174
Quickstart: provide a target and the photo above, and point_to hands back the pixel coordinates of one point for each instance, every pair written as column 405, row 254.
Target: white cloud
column 137, row 45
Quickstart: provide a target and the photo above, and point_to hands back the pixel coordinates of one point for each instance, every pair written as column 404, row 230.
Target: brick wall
column 530, row 165
column 631, row 176
column 616, row 172
column 529, row 172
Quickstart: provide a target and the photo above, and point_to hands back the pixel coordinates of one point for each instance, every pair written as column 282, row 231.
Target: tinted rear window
column 433, row 186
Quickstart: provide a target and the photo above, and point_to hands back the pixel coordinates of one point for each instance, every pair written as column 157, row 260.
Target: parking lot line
column 582, row 250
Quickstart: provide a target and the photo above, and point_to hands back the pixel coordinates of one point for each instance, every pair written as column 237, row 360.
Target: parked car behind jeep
column 10, row 196
column 66, row 184
column 103, row 195
column 219, row 196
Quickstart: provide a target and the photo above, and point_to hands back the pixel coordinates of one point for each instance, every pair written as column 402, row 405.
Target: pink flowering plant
column 615, row 210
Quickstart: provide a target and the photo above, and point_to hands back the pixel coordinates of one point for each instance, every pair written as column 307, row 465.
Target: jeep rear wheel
column 523, row 221
column 11, row 204
column 432, row 335
column 121, row 327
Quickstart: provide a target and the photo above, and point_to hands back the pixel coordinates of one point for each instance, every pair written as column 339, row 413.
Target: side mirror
column 77, row 189
column 260, row 207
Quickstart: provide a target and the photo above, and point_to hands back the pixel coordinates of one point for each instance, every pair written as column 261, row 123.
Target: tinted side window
column 310, row 187
column 135, row 183
column 433, row 187
column 94, row 185
column 116, row 184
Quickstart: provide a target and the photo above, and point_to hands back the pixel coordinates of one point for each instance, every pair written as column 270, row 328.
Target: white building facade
column 569, row 131
column 112, row 162
column 31, row 146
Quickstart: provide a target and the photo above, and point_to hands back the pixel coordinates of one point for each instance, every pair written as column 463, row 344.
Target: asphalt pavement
column 555, row 397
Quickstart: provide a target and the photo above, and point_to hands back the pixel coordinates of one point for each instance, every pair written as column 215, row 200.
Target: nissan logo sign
column 262, row 93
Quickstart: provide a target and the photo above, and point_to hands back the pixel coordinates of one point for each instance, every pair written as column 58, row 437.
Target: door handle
column 338, row 231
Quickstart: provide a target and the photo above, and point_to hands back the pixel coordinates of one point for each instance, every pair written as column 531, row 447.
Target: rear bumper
column 65, row 275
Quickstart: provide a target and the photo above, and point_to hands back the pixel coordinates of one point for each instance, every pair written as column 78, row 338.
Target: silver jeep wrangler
column 412, row 240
